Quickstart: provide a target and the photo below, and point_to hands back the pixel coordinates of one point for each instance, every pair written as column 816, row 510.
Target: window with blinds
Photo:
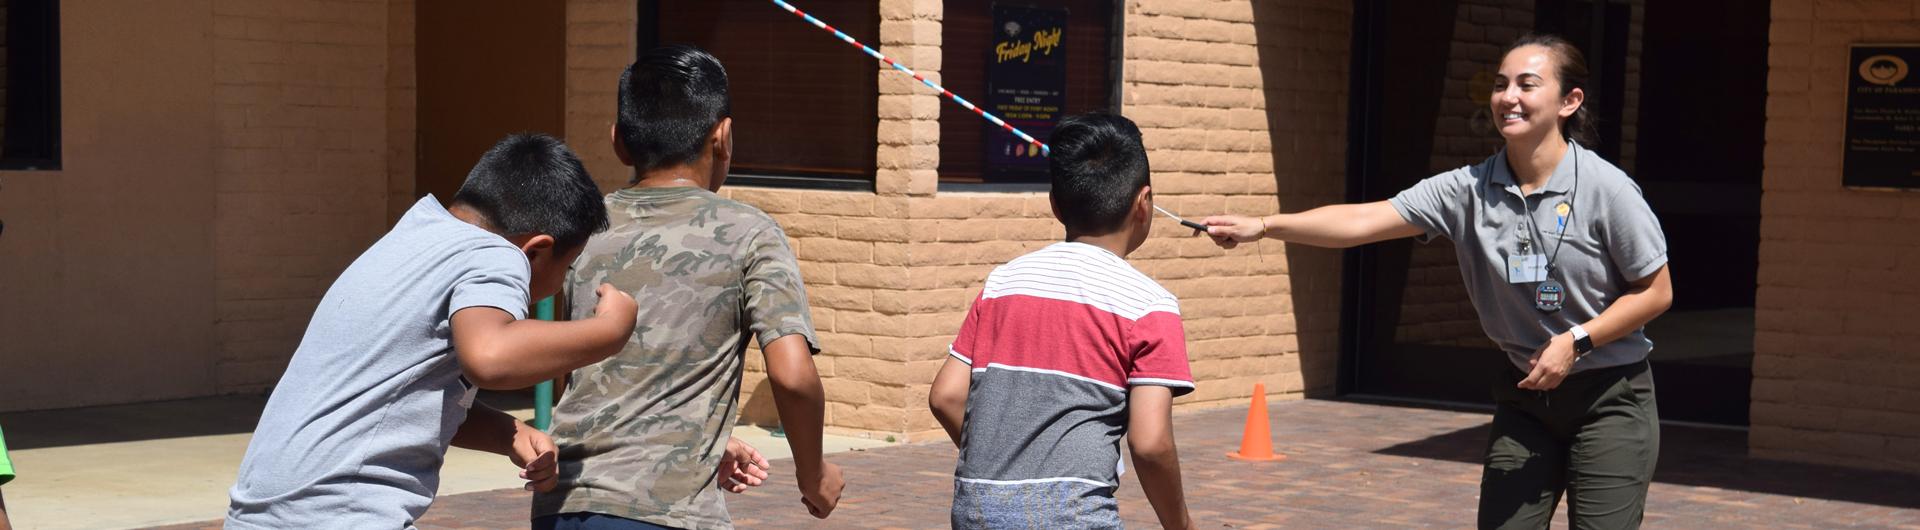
column 804, row 103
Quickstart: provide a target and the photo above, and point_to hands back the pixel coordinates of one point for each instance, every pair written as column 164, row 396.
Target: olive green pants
column 1596, row 437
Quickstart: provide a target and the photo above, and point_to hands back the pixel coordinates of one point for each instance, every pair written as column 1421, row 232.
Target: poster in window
column 1026, row 86
column 1883, row 117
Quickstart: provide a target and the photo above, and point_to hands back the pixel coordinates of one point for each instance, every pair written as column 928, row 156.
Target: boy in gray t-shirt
column 383, row 381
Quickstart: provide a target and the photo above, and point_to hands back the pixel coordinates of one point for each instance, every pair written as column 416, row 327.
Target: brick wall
column 600, row 42
column 1243, row 105
column 301, row 94
column 891, row 273
column 1837, row 378
column 1630, row 102
column 402, row 111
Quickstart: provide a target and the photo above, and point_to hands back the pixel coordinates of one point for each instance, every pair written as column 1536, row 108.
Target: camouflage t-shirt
column 642, row 432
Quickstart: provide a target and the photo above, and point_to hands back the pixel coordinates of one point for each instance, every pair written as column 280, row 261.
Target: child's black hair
column 1098, row 165
column 669, row 100
column 532, row 183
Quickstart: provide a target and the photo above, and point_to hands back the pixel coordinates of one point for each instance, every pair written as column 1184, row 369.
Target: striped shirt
column 1054, row 341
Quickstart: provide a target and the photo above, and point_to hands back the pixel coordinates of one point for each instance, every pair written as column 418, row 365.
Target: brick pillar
column 1836, row 375
column 600, row 45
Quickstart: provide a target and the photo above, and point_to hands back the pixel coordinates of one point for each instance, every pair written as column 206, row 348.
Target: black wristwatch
column 1582, row 343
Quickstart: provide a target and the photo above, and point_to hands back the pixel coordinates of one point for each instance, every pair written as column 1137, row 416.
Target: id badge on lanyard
column 1526, row 265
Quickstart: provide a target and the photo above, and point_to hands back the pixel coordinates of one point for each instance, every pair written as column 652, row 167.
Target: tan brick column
column 1836, row 372
column 600, row 45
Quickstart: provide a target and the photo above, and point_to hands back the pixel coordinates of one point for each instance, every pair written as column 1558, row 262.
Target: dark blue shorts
column 591, row 521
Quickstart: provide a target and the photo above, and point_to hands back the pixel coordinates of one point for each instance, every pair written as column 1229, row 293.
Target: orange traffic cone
column 1256, row 442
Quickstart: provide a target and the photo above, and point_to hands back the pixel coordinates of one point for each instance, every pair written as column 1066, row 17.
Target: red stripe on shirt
column 1070, row 337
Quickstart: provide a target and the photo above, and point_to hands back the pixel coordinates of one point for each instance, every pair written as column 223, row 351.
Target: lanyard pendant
column 1549, row 296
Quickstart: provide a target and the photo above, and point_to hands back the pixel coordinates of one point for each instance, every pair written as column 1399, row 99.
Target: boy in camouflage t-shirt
column 641, row 434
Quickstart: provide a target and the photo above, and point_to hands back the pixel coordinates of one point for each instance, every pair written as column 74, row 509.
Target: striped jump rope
column 916, row 75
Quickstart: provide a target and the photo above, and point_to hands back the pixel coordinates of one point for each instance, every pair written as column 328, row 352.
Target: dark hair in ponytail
column 1571, row 68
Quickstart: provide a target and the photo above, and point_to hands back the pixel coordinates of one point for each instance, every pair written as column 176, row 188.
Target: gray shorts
column 1061, row 504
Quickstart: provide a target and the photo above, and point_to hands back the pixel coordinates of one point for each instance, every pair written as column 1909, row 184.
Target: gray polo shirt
column 1611, row 239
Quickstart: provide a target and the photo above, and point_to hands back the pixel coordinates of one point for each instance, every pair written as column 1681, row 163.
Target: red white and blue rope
column 897, row 66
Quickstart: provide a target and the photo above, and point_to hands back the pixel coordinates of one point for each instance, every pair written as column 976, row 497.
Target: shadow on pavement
column 163, row 420
column 1717, row 458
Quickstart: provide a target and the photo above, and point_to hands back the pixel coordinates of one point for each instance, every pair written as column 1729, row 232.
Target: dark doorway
column 485, row 69
column 1686, row 123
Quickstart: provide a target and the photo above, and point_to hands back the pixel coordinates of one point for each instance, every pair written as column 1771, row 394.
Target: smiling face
column 1527, row 102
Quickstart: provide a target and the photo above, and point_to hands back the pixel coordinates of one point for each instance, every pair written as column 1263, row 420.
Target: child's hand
column 741, row 467
column 822, row 493
column 615, row 303
column 538, row 459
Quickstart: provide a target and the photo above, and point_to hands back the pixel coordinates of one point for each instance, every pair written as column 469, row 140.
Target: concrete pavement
column 134, row 466
column 1350, row 465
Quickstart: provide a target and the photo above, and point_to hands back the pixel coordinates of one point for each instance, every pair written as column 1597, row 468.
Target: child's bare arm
column 948, row 397
column 498, row 352
column 802, row 403
column 1150, row 436
column 488, row 429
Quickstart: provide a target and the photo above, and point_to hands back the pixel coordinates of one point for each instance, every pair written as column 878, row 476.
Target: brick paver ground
column 1350, row 465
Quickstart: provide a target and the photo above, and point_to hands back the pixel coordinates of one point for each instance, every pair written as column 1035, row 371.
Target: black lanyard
column 1560, row 239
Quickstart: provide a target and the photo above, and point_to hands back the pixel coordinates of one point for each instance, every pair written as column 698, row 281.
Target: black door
column 1681, row 107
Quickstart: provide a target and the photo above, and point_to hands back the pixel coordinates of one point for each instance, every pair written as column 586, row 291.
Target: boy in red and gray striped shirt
column 1067, row 349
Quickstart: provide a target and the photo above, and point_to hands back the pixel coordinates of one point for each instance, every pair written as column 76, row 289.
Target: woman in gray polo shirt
column 1566, row 265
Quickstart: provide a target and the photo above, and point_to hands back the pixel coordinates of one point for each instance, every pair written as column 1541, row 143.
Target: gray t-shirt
column 356, row 430
column 1610, row 239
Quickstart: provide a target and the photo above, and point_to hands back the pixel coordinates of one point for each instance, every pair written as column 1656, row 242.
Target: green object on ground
column 6, row 464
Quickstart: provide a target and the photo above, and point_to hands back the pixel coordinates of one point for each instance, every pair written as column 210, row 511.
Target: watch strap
column 1582, row 342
